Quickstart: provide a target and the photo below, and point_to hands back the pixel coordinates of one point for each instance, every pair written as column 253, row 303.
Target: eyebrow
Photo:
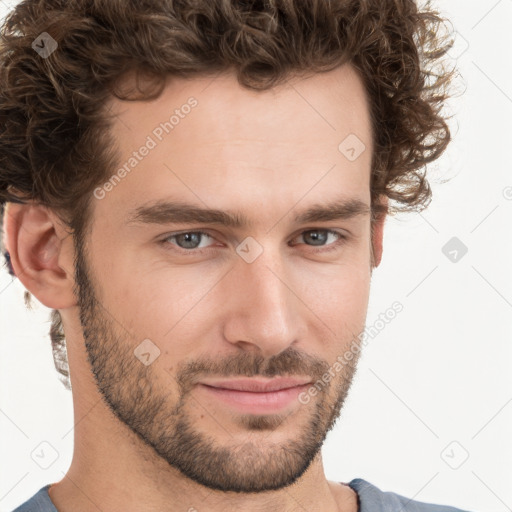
column 169, row 212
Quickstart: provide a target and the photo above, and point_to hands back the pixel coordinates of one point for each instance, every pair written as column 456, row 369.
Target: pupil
column 189, row 236
column 316, row 237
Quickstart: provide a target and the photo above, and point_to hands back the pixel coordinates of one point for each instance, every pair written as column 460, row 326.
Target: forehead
column 213, row 140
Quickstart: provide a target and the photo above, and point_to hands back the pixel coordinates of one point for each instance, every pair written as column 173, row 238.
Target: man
column 198, row 191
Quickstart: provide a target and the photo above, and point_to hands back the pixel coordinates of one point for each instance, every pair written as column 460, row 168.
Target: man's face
column 278, row 297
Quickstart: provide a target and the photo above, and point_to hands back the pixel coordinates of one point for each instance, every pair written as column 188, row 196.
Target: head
column 298, row 126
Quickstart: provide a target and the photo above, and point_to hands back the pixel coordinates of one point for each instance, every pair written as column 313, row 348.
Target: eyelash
column 324, row 249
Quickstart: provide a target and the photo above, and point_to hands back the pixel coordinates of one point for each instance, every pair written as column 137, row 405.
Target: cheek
column 339, row 290
column 342, row 300
column 339, row 302
column 169, row 305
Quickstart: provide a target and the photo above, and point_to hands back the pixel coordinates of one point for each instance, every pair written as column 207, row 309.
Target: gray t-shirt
column 371, row 499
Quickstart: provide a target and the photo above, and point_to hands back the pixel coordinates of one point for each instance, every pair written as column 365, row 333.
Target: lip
column 258, row 385
column 256, row 396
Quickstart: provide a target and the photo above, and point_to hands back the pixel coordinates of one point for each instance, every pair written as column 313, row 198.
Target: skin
column 141, row 430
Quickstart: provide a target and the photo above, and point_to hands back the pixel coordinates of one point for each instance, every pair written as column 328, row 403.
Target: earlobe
column 40, row 255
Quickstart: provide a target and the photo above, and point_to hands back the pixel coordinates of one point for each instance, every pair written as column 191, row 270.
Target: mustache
column 288, row 363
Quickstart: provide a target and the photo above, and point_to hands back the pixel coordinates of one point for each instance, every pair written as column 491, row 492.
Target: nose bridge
column 262, row 305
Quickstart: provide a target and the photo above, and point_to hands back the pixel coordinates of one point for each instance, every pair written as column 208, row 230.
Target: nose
column 263, row 311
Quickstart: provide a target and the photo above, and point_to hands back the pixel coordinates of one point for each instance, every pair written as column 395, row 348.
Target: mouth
column 256, row 396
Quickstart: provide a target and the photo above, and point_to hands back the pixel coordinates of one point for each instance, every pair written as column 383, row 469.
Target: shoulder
column 39, row 502
column 372, row 499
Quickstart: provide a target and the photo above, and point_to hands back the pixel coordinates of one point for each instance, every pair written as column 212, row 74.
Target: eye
column 188, row 240
column 191, row 241
column 318, row 237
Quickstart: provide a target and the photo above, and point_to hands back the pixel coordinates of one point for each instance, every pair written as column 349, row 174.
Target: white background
column 435, row 385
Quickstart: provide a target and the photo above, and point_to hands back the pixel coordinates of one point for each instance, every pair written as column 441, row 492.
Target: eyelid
column 342, row 234
column 339, row 232
column 323, row 249
column 177, row 233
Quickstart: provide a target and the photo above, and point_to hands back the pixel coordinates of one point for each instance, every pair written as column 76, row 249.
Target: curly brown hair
column 55, row 144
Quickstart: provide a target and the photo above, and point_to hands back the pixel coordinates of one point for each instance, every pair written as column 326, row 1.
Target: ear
column 378, row 232
column 41, row 253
